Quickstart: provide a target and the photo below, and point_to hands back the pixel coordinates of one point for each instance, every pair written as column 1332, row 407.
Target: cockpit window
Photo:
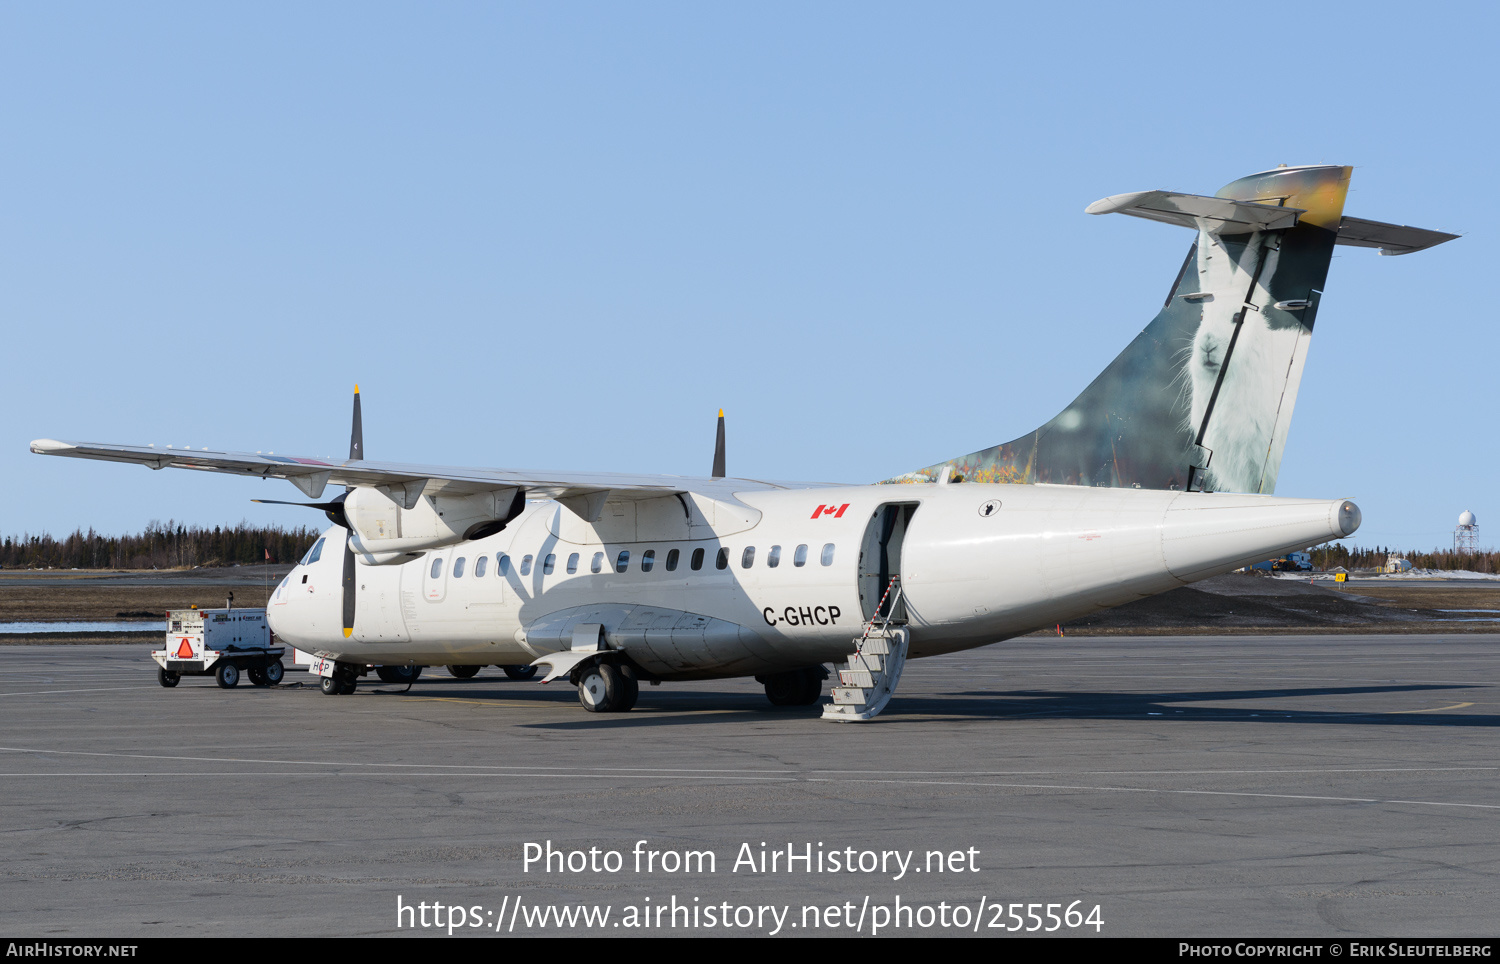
column 313, row 553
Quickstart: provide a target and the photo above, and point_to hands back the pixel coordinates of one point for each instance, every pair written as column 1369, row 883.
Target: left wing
column 407, row 482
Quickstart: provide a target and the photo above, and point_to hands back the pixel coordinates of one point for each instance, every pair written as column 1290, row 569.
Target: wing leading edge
column 407, row 481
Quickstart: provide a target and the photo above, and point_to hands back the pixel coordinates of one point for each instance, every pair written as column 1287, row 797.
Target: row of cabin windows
column 622, row 561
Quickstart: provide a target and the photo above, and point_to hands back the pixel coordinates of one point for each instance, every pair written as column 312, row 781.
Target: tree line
column 1354, row 557
column 161, row 546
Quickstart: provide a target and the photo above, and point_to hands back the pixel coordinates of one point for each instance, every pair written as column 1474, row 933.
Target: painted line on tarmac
column 477, row 768
column 743, row 778
column 1211, row 793
column 1435, row 709
column 411, row 775
column 102, row 689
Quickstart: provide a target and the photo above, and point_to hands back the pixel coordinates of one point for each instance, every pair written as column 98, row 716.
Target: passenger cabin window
column 747, row 558
column 549, row 563
column 773, row 558
column 480, row 565
column 314, row 553
column 437, row 567
column 799, row 558
column 458, row 567
column 648, row 560
column 696, row 562
column 598, row 564
column 721, row 561
column 672, row 556
column 526, row 565
column 827, row 559
column 502, row 566
column 572, row 563
column 622, row 562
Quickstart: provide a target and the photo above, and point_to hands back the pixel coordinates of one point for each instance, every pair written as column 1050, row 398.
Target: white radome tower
column 1464, row 539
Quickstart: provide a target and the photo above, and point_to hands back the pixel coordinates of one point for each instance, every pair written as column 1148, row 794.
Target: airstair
column 868, row 681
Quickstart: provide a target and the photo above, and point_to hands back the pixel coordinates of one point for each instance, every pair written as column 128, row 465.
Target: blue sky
column 563, row 235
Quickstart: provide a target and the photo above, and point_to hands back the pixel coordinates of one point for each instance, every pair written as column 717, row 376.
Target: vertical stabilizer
column 1203, row 397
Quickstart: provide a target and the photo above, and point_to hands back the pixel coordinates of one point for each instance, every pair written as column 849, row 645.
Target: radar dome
column 1467, row 519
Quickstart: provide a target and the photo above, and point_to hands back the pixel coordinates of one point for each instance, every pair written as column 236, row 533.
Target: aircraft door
column 880, row 560
column 435, row 574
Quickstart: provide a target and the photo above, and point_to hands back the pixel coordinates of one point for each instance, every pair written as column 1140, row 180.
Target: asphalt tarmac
column 1186, row 787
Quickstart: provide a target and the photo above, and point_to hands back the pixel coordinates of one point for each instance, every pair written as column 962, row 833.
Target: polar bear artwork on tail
column 1255, row 391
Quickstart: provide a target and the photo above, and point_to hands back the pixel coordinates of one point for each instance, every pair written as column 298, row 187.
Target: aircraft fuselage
column 976, row 563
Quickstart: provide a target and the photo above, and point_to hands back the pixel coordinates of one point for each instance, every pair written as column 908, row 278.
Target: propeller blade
column 719, row 449
column 334, row 510
column 357, row 433
column 356, row 453
column 349, row 588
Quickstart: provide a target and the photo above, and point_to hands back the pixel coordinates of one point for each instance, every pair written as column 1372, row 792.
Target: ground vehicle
column 222, row 643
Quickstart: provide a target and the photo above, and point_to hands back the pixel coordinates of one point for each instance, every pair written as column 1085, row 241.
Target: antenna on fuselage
column 718, row 446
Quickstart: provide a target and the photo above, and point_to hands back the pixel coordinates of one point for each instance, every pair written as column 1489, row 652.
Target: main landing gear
column 606, row 688
column 398, row 674
column 799, row 687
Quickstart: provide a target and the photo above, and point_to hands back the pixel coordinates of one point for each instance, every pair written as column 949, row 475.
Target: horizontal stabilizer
column 1216, row 215
column 1389, row 238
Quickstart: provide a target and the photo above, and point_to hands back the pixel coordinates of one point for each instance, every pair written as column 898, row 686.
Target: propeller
column 334, row 509
column 719, row 449
column 356, row 453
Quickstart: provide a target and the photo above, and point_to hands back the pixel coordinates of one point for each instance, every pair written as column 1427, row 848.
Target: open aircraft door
column 880, row 561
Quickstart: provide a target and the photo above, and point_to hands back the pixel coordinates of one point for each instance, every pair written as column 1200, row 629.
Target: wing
column 312, row 475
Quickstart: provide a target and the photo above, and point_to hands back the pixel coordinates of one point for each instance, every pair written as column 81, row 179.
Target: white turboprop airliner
column 1157, row 475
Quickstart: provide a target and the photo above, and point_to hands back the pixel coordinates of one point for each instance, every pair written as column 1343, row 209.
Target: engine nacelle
column 385, row 531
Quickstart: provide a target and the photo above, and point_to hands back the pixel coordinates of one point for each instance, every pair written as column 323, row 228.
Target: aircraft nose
column 1347, row 519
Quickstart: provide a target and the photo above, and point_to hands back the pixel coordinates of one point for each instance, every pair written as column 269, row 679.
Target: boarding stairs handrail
column 885, row 622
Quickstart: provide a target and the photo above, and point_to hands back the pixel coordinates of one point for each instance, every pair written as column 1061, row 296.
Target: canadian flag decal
column 837, row 511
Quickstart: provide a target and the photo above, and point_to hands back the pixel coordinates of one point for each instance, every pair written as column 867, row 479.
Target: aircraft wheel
column 330, row 686
column 348, row 686
column 785, row 689
column 167, row 678
column 398, row 674
column 520, row 672
column 629, row 690
column 257, row 676
column 601, row 688
column 273, row 673
column 228, row 675
column 812, row 688
column 465, row 672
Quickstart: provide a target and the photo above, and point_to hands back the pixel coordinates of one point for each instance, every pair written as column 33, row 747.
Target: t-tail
column 1202, row 398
